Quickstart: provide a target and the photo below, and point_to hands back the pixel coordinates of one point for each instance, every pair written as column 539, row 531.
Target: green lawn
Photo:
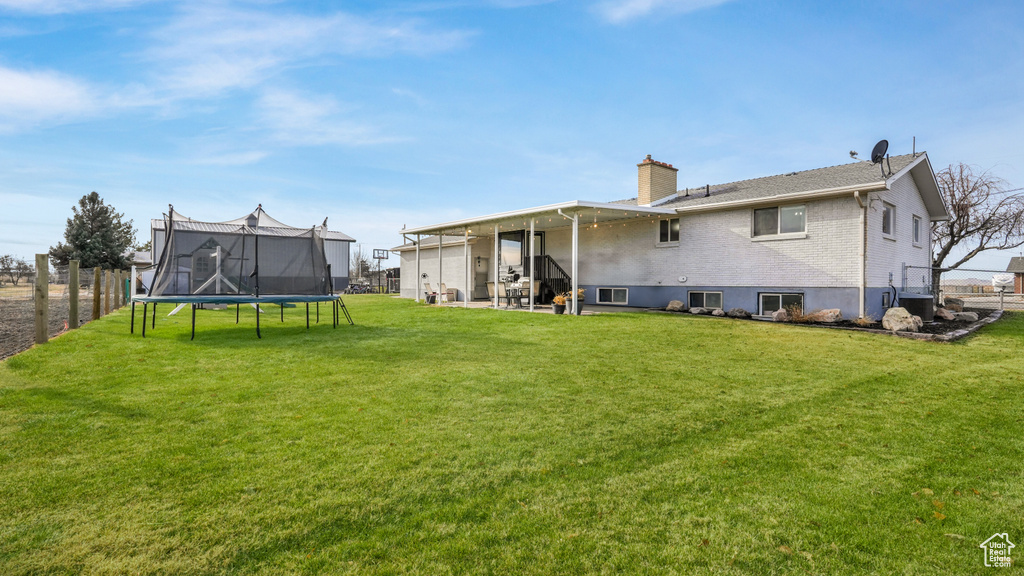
column 448, row 441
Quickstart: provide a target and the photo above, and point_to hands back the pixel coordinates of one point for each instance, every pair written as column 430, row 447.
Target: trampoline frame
column 337, row 307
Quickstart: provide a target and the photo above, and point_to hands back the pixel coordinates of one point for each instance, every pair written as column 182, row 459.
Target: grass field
column 447, row 441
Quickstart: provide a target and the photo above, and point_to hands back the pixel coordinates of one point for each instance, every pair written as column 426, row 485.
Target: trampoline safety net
column 253, row 255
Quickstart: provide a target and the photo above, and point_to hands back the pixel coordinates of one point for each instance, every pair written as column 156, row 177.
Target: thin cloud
column 31, row 97
column 296, row 120
column 64, row 6
column 232, row 159
column 207, row 50
column 619, row 11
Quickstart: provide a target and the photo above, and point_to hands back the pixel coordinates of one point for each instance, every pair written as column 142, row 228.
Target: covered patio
column 511, row 239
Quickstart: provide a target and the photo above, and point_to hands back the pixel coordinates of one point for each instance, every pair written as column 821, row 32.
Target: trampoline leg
column 193, row 322
column 317, row 312
column 282, row 311
column 258, row 321
column 334, row 314
column 145, row 308
column 236, row 313
column 133, row 319
column 154, row 316
column 307, row 315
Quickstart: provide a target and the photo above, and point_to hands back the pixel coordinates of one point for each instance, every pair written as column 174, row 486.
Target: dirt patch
column 18, row 325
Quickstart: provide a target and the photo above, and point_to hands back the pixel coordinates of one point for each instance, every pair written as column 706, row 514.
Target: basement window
column 772, row 302
column 616, row 296
column 705, row 299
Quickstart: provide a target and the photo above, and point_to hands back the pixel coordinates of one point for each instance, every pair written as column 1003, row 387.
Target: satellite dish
column 878, row 152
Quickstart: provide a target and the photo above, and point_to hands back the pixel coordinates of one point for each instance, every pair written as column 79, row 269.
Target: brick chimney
column 655, row 180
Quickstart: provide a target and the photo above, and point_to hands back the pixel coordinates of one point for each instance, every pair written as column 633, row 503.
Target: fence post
column 108, row 279
column 117, row 289
column 42, row 298
column 72, row 294
column 96, row 284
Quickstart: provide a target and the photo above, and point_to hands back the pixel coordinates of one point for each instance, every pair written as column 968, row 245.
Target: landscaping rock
column 676, row 306
column 966, row 316
column 943, row 314
column 780, row 315
column 899, row 320
column 718, row 312
column 697, row 311
column 738, row 313
column 955, row 304
column 829, row 316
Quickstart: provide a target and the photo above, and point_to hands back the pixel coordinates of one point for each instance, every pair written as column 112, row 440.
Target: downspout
column 862, row 253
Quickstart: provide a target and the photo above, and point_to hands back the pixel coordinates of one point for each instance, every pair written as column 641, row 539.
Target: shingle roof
column 1016, row 264
column 818, row 179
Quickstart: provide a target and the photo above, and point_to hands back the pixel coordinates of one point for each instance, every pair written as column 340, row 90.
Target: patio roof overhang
column 544, row 218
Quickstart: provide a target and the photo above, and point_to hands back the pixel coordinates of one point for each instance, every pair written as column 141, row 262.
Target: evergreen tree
column 96, row 236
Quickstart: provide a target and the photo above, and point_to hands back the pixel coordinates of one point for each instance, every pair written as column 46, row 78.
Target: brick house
column 824, row 238
column 1016, row 267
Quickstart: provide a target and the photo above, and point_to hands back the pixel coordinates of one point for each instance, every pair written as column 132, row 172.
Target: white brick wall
column 885, row 255
column 453, row 267
column 716, row 249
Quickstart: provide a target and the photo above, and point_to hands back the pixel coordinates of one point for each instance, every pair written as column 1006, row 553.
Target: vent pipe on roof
column 707, row 190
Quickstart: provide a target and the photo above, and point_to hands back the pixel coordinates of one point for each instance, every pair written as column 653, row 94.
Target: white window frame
column 657, row 233
column 612, row 302
column 891, row 234
column 705, row 293
column 778, row 224
column 917, row 229
column 761, row 295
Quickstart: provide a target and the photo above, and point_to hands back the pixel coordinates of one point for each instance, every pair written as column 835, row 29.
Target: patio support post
column 497, row 265
column 440, row 244
column 466, row 262
column 533, row 265
column 416, row 280
column 575, row 259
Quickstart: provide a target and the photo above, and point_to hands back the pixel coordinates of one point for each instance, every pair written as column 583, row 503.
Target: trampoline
column 226, row 263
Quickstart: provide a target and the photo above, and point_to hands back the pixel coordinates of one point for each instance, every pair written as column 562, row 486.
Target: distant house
column 1016, row 267
column 832, row 237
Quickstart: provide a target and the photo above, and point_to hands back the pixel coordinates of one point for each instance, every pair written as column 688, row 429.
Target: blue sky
column 383, row 113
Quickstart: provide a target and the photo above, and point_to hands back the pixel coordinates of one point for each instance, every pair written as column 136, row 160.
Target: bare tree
column 983, row 215
column 360, row 262
column 15, row 268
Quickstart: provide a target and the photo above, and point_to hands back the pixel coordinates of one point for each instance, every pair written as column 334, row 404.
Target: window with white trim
column 888, row 220
column 617, row 296
column 780, row 220
column 668, row 231
column 917, row 230
column 705, row 299
column 771, row 302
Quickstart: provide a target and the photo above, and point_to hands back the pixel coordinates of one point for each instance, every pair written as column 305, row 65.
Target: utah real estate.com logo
column 997, row 550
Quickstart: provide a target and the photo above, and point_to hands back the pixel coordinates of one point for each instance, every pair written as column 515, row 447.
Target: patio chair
column 448, row 294
column 428, row 291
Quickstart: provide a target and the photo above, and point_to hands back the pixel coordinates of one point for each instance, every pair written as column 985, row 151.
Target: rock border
column 947, row 337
